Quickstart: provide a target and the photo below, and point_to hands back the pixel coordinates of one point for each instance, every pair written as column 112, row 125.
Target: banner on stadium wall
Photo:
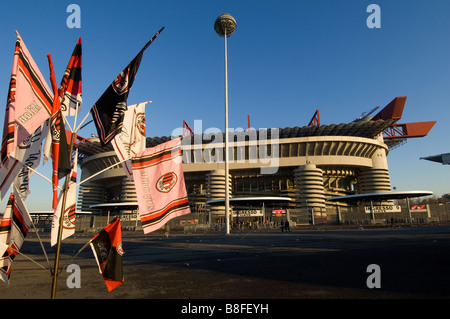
column 384, row 209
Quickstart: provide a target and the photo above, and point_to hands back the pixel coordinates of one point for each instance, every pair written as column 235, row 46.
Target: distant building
column 304, row 164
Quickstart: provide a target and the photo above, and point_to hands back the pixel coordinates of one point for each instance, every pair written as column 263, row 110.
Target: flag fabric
column 29, row 154
column 14, row 228
column 131, row 139
column 108, row 112
column 60, row 146
column 58, row 149
column 8, row 174
column 108, row 252
column 68, row 228
column 9, row 128
column 70, row 88
column 160, row 187
column 29, row 101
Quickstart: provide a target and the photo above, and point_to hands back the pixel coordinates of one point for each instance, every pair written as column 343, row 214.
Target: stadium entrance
column 255, row 212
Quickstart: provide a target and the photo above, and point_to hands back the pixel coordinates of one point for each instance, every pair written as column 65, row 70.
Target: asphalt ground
column 313, row 263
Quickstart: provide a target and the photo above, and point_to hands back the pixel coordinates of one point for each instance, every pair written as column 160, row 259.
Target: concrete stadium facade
column 305, row 165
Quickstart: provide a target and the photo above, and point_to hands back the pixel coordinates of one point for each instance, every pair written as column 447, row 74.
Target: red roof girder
column 408, row 130
column 392, row 111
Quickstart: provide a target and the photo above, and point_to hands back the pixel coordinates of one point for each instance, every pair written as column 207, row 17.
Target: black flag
column 108, row 112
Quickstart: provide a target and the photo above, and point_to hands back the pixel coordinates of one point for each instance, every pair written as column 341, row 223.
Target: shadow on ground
column 332, row 263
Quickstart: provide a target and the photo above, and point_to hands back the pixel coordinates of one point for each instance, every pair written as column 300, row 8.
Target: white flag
column 68, row 228
column 30, row 101
column 14, row 226
column 7, row 175
column 131, row 140
column 29, row 154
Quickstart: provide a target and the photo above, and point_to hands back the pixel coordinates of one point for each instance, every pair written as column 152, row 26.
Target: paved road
column 316, row 263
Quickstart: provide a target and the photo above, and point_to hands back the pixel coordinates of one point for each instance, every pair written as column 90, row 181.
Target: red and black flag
column 70, row 87
column 69, row 94
column 108, row 112
column 61, row 163
column 60, row 153
column 107, row 249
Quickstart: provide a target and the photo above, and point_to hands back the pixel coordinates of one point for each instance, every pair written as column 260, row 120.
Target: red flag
column 107, row 249
column 69, row 95
column 60, row 149
column 70, row 88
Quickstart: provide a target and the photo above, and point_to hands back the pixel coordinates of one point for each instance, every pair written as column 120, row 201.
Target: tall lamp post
column 225, row 25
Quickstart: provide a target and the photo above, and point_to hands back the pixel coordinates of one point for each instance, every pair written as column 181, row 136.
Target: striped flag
column 69, row 211
column 59, row 152
column 8, row 174
column 58, row 149
column 107, row 249
column 108, row 112
column 13, row 229
column 29, row 101
column 131, row 140
column 160, row 187
column 70, row 88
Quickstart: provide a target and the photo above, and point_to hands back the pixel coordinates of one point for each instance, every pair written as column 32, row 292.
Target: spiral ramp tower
column 376, row 178
column 215, row 188
column 309, row 193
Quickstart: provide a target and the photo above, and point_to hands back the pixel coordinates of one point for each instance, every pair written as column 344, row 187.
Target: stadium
column 302, row 174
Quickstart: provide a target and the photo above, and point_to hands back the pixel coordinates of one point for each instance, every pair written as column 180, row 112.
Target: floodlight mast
column 225, row 26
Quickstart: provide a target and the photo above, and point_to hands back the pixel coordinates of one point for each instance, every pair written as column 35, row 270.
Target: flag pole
column 27, row 257
column 82, row 121
column 103, row 170
column 37, row 235
column 60, row 230
column 79, row 127
column 225, row 25
column 79, row 252
column 41, row 175
column 65, row 189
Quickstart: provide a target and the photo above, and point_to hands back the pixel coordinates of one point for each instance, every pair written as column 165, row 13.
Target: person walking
column 166, row 230
column 286, row 226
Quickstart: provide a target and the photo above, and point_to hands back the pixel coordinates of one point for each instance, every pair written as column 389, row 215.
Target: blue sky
column 285, row 60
